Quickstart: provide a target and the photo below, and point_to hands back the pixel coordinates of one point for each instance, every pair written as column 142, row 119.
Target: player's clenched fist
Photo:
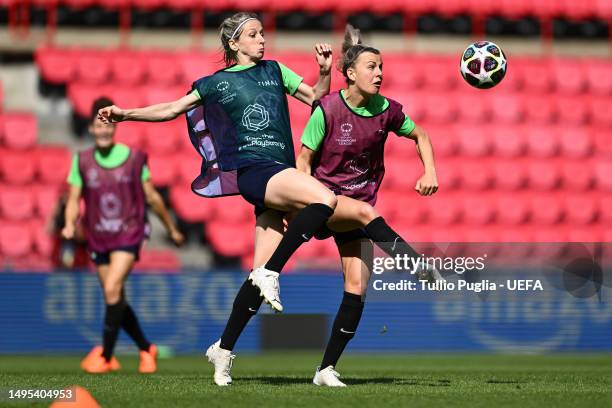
column 427, row 184
column 111, row 114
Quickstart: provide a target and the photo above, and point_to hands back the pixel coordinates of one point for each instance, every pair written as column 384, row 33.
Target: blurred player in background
column 343, row 147
column 116, row 185
column 246, row 110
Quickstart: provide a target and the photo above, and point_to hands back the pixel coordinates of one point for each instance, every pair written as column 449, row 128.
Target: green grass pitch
column 284, row 380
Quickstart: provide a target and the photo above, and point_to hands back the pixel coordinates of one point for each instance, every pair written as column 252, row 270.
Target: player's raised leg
column 292, row 190
column 351, row 213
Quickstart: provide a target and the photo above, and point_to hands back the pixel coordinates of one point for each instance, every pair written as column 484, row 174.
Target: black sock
column 132, row 327
column 306, row 222
column 246, row 304
column 388, row 240
column 112, row 323
column 344, row 328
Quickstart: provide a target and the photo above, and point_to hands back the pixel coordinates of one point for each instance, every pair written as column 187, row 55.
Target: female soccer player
column 245, row 110
column 115, row 183
column 343, row 147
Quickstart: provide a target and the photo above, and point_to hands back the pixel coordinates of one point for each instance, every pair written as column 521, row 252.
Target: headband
column 240, row 26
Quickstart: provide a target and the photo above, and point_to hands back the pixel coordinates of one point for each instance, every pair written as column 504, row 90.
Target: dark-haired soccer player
column 115, row 183
column 343, row 147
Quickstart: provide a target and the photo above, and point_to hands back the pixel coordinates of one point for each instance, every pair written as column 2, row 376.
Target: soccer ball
column 483, row 64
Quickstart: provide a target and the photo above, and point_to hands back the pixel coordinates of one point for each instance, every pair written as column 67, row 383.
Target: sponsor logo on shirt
column 255, row 117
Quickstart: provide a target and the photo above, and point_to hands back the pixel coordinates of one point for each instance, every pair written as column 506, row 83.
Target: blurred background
column 529, row 161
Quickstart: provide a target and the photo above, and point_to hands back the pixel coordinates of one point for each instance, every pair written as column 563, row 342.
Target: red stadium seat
column 441, row 73
column 439, row 108
column 474, row 141
column 605, row 210
column 189, row 206
column 513, row 9
column 164, row 169
column 444, row 209
column 599, row 76
column 15, row 239
column 197, row 65
column 444, row 138
column 472, row 106
column 18, row 167
column 411, row 101
column 603, row 170
column 128, row 68
column 601, row 141
column 188, row 166
column 578, row 175
column 124, row 96
column 546, row 209
column 509, row 141
column 544, row 174
column 43, row 240
column 20, row 130
column 511, row 209
column 16, row 203
column 542, row 141
column 230, row 239
column 92, row 66
column 601, row 111
column 536, row 75
column 53, row 164
column 448, row 176
column 56, row 66
column 131, row 134
column 158, row 260
column 576, row 142
column 510, row 174
column 163, row 138
column 403, row 174
column 569, row 75
column 82, row 96
column 46, row 198
column 572, row 110
column 233, row 209
column 162, row 68
column 507, row 108
column 539, row 109
column 581, row 209
column 159, row 94
column 476, row 174
column 401, row 148
column 477, row 209
column 578, row 10
column 401, row 72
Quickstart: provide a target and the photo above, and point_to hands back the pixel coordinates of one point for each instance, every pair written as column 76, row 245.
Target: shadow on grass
column 278, row 380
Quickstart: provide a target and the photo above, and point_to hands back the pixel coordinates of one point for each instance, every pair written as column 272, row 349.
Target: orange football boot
column 148, row 360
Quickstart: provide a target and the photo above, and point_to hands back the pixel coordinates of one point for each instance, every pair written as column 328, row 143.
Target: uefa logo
column 223, row 86
column 346, row 128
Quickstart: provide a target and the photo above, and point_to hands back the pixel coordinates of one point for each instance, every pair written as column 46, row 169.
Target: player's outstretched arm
column 71, row 213
column 160, row 112
column 428, row 183
column 157, row 204
column 308, row 94
column 304, row 160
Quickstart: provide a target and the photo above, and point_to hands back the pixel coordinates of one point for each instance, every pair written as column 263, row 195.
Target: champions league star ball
column 483, row 64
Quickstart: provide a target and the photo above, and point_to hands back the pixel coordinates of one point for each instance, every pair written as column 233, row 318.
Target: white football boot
column 327, row 377
column 222, row 360
column 267, row 282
